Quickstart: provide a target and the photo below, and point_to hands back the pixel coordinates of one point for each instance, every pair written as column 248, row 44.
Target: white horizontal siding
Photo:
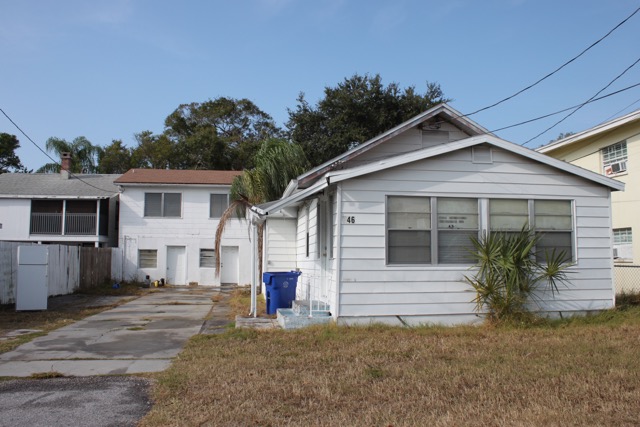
column 280, row 248
column 369, row 288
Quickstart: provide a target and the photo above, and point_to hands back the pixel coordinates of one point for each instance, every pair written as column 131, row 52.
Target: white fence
column 63, row 271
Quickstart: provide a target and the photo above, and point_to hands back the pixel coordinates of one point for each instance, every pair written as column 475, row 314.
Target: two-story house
column 611, row 149
column 168, row 221
column 64, row 208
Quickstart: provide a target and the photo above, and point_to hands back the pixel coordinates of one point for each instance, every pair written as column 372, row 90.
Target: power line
column 569, row 108
column 557, row 69
column 583, row 104
column 47, row 154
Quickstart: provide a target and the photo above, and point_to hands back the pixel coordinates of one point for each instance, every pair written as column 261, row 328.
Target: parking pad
column 140, row 336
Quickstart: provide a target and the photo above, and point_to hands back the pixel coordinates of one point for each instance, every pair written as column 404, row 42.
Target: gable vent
column 481, row 154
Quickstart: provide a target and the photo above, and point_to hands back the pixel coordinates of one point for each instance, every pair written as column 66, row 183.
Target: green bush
column 509, row 274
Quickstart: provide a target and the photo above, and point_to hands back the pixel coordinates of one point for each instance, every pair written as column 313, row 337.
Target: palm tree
column 277, row 162
column 84, row 155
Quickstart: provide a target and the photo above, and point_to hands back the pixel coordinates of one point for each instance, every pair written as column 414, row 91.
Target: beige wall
column 588, row 154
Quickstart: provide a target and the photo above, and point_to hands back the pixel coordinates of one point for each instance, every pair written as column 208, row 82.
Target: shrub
column 509, row 274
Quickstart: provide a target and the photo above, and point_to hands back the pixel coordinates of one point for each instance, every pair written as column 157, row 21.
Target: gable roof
column 443, row 111
column 165, row 176
column 53, row 185
column 594, row 131
column 342, row 175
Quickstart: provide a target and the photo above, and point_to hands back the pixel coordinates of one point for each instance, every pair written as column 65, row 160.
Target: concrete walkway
column 140, row 336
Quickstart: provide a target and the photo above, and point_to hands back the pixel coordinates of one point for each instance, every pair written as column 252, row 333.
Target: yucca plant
column 508, row 273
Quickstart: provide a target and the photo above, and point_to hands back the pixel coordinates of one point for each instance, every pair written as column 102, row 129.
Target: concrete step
column 301, row 307
column 288, row 319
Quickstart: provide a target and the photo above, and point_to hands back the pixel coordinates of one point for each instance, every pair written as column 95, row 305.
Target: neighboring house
column 382, row 232
column 611, row 149
column 168, row 221
column 74, row 209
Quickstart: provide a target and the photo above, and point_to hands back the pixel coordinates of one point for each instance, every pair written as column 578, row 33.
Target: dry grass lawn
column 579, row 372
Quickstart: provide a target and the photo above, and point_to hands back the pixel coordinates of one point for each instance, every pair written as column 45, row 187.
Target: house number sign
column 349, row 220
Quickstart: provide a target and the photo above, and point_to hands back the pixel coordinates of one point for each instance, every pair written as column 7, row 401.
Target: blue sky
column 109, row 69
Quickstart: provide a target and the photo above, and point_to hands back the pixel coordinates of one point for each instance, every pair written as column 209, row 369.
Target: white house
column 168, row 221
column 381, row 232
column 74, row 209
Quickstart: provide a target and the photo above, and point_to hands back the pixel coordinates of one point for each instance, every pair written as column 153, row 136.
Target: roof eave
column 450, row 113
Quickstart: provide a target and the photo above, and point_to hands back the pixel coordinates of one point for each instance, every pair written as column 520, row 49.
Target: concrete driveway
column 140, row 336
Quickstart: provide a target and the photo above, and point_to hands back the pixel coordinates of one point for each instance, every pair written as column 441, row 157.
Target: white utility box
column 32, row 289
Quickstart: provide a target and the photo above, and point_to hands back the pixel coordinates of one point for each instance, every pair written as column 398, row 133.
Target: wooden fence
column 95, row 267
column 71, row 268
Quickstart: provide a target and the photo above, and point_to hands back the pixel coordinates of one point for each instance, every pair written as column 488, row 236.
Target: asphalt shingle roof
column 164, row 176
column 53, row 184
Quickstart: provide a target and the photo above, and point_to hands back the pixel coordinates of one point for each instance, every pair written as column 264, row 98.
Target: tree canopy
column 9, row 160
column 84, row 155
column 114, row 158
column 223, row 133
column 354, row 111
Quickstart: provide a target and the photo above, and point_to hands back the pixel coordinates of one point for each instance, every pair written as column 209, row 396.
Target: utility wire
column 583, row 104
column 47, row 154
column 557, row 69
column 569, row 108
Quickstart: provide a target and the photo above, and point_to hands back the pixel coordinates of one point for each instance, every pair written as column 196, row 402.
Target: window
column 415, row 236
column 147, row 258
column 218, row 203
column 163, row 205
column 614, row 158
column 554, row 221
column 457, row 224
column 622, row 236
column 408, row 230
column 207, row 258
column 508, row 215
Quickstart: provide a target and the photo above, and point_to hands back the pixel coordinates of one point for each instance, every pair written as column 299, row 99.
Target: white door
column 176, row 262
column 229, row 264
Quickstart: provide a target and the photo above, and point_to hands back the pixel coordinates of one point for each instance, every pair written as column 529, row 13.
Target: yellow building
column 611, row 149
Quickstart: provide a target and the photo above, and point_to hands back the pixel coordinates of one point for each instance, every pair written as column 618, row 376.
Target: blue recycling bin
column 280, row 289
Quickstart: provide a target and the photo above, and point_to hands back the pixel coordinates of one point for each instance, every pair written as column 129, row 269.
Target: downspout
column 256, row 219
column 336, row 310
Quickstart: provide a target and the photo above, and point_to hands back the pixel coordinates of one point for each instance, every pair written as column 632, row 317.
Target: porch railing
column 76, row 224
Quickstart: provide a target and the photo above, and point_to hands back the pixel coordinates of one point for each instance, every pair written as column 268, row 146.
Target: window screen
column 152, row 204
column 147, row 258
column 207, row 258
column 408, row 230
column 554, row 222
column 162, row 204
column 508, row 214
column 457, row 224
column 218, row 203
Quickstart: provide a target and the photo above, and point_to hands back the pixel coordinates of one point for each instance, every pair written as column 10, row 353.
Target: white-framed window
column 218, row 203
column 416, row 236
column 622, row 236
column 148, row 258
column 457, row 224
column 207, row 258
column 167, row 205
column 408, row 230
column 614, row 159
column 553, row 220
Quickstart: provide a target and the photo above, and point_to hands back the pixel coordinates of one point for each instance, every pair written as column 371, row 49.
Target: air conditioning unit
column 615, row 252
column 615, row 168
